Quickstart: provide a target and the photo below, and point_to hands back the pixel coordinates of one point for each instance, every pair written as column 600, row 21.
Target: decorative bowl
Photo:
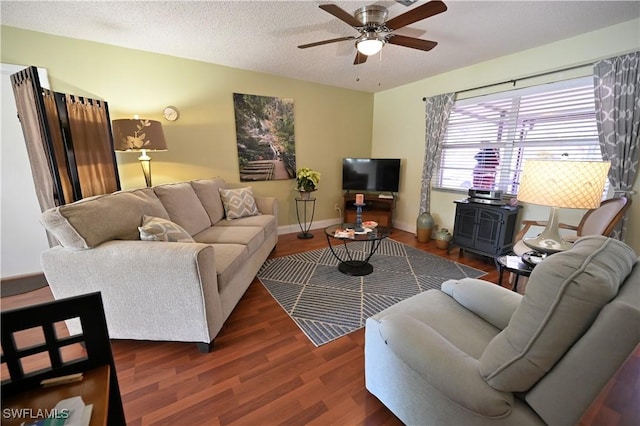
column 369, row 224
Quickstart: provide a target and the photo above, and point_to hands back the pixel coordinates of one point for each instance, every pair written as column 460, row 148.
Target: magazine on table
column 344, row 233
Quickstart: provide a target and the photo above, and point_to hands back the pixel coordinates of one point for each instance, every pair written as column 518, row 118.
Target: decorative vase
column 442, row 239
column 425, row 226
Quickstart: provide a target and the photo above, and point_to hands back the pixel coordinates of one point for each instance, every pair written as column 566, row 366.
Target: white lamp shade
column 369, row 46
column 563, row 183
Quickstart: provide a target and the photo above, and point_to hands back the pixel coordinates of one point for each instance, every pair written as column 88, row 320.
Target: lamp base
column 547, row 245
column 145, row 162
column 549, row 241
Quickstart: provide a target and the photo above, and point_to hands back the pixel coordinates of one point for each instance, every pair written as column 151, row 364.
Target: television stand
column 378, row 209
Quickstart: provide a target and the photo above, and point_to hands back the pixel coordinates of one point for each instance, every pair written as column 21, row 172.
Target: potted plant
column 306, row 181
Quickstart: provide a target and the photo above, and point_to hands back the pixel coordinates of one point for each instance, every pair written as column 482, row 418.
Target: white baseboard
column 321, row 224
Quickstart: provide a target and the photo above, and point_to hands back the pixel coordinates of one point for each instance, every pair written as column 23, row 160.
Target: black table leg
column 356, row 268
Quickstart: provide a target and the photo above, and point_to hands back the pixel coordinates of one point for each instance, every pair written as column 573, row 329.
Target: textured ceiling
column 263, row 35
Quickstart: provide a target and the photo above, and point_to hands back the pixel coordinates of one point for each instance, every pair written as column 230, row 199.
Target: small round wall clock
column 170, row 113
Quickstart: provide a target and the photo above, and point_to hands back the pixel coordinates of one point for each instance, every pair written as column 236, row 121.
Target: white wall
column 23, row 237
column 399, row 121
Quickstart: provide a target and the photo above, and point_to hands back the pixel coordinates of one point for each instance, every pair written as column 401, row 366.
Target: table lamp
column 560, row 184
column 139, row 135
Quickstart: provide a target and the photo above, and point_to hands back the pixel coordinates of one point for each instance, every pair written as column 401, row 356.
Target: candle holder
column 359, row 227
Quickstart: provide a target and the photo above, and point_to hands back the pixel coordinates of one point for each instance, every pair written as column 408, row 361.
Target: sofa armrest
column 267, row 205
column 489, row 301
column 448, row 369
column 150, row 290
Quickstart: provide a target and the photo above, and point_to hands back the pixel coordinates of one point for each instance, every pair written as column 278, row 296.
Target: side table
column 512, row 263
column 305, row 204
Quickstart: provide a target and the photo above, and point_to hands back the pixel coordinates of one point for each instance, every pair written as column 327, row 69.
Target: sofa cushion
column 250, row 236
column 208, row 192
column 184, row 206
column 443, row 365
column 92, row 221
column 265, row 221
column 159, row 229
column 447, row 317
column 239, row 202
column 564, row 295
column 230, row 259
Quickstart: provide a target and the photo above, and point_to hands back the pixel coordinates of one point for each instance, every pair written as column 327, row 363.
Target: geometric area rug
column 327, row 304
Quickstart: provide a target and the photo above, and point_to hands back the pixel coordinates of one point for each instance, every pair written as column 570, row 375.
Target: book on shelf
column 71, row 411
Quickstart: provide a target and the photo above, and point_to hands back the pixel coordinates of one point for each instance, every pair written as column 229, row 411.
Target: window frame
column 572, row 121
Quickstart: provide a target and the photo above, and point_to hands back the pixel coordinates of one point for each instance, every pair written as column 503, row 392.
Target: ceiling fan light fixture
column 370, row 44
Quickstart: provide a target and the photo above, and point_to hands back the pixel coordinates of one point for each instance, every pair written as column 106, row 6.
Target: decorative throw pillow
column 159, row 229
column 238, row 202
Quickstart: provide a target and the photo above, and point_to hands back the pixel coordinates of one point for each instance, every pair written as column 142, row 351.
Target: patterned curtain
column 617, row 95
column 437, row 111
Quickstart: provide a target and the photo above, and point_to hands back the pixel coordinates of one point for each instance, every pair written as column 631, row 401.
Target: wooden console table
column 58, row 354
column 376, row 209
column 93, row 388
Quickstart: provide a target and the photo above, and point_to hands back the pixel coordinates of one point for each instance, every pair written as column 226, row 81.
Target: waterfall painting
column 265, row 137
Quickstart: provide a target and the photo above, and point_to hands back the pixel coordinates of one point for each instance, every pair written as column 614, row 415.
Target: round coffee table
column 349, row 265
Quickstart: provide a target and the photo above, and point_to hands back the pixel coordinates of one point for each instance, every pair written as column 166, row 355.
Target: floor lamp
column 139, row 135
column 560, row 184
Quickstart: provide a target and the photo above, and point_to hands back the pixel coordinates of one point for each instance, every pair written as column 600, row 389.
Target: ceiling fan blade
column 360, row 58
column 414, row 43
column 341, row 14
column 414, row 15
column 320, row 43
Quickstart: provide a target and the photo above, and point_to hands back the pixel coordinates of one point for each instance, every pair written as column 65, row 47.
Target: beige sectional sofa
column 180, row 288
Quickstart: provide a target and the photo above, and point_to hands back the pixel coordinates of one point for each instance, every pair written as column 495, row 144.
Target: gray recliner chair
column 476, row 353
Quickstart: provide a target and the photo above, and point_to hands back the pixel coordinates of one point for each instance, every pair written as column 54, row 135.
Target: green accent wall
column 330, row 123
column 399, row 116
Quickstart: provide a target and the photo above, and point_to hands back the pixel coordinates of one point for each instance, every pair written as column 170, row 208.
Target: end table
column 512, row 263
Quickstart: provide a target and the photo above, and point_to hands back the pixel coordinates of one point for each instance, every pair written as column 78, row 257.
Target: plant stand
column 308, row 207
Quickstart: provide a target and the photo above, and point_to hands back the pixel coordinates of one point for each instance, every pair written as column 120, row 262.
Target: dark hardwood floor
column 263, row 369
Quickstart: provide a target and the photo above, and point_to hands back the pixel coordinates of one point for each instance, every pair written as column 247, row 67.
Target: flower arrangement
column 307, row 179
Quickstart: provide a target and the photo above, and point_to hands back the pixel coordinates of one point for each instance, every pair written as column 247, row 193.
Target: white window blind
column 488, row 138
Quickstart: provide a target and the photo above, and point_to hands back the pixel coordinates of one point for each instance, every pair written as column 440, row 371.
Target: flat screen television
column 371, row 174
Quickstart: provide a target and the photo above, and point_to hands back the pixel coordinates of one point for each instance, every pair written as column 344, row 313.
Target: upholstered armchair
column 477, row 353
column 599, row 221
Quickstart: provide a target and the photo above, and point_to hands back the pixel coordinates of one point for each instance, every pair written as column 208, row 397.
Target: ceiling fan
column 375, row 31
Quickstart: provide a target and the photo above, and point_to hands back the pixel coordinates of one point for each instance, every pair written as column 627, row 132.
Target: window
column 489, row 138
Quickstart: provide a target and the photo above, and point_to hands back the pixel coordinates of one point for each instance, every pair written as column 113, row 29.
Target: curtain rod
column 514, row 81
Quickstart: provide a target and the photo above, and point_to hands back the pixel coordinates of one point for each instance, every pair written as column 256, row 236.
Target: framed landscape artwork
column 265, row 137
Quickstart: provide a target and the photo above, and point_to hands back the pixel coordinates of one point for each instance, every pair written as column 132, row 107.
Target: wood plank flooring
column 263, row 369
